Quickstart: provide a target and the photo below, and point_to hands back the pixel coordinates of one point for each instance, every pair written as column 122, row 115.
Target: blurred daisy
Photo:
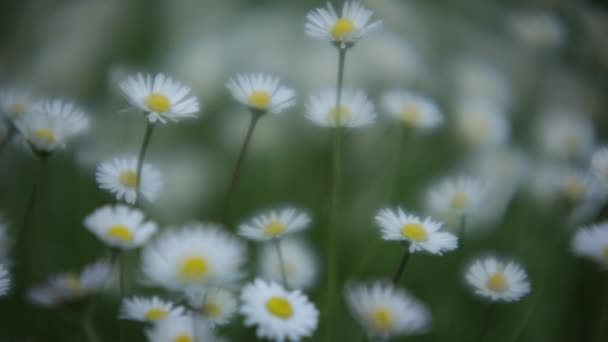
column 355, row 109
column 573, row 185
column 422, row 234
column 261, row 93
column 274, row 224
column 592, row 242
column 148, row 309
column 216, row 305
column 456, row 197
column 478, row 81
column 120, row 226
column 565, row 136
column 193, row 256
column 385, row 311
column 160, row 97
column 14, row 102
column 50, row 124
column 497, row 280
column 538, row 29
column 301, row 267
column 599, row 166
column 175, row 329
column 344, row 30
column 119, row 176
column 279, row 314
column 412, row 110
column 482, row 124
column 5, row 280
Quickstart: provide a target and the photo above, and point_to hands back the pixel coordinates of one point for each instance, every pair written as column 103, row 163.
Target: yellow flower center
column 183, row 338
column 381, row 319
column 73, row 282
column 279, row 307
column 259, row 99
column 156, row 314
column 158, row 102
column 120, row 232
column 46, row 134
column 411, row 115
column 460, row 200
column 414, row 232
column 128, row 178
column 274, row 228
column 574, row 189
column 341, row 28
column 497, row 282
column 194, row 268
column 340, row 116
column 212, row 309
column 17, row 108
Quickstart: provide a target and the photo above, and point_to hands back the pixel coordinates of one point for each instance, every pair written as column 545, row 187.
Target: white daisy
column 193, row 256
column 412, row 110
column 385, row 311
column 15, row 102
column 482, row 123
column 355, row 109
column 453, row 198
column 344, row 30
column 599, row 166
column 120, row 226
column 278, row 314
column 538, row 29
column 565, row 135
column 148, row 309
column 50, row 124
column 573, row 185
column 160, row 97
column 5, row 280
column 179, row 329
column 301, row 265
column 498, row 280
column 592, row 242
column 261, row 93
column 119, row 176
column 217, row 305
column 274, row 224
column 422, row 234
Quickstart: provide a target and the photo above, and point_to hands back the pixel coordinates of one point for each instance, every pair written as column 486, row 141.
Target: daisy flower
column 217, row 305
column 274, row 224
column 301, row 265
column 278, row 314
column 592, row 242
column 5, row 280
column 385, row 311
column 160, row 97
column 599, row 166
column 498, row 280
column 344, row 30
column 14, row 102
column 261, row 93
column 537, row 29
column 148, row 309
column 50, row 124
column 193, row 256
column 565, row 135
column 355, row 109
column 482, row 123
column 179, row 329
column 456, row 197
column 573, row 185
column 412, row 110
column 120, row 226
column 119, row 176
column 422, row 234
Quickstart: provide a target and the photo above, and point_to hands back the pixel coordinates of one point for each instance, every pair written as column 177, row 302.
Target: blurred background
column 521, row 84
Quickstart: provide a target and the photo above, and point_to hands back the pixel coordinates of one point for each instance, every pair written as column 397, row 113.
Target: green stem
column 277, row 246
column 404, row 259
column 461, row 237
column 87, row 322
column 488, row 315
column 140, row 160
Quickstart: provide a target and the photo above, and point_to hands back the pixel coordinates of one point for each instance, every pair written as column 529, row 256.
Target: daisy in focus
column 160, row 97
column 342, row 30
column 15, row 102
column 498, row 280
column 261, row 93
column 412, row 110
column 356, row 109
column 149, row 309
column 592, row 242
column 421, row 234
column 301, row 265
column 274, row 224
column 216, row 305
column 5, row 280
column 454, row 198
column 193, row 256
column 119, row 176
column 385, row 311
column 279, row 314
column 120, row 226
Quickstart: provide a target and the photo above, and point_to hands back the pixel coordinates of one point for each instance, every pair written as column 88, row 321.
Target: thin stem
column 277, row 246
column 237, row 168
column 87, row 322
column 341, row 64
column 122, row 281
column 488, row 316
column 140, row 160
column 461, row 237
column 404, row 259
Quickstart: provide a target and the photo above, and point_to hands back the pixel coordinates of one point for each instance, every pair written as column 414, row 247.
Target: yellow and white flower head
column 14, row 102
column 174, row 329
column 456, row 197
column 120, row 226
column 195, row 255
column 498, row 280
column 412, row 110
column 342, row 30
column 599, row 166
column 274, row 224
column 5, row 280
column 279, row 314
column 301, row 264
column 385, row 311
column 261, row 93
column 476, row 80
column 565, row 136
column 119, row 176
column 216, row 305
column 422, row 234
column 356, row 109
column 160, row 97
column 482, row 124
column 592, row 242
column 573, row 185
column 50, row 124
column 149, row 309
